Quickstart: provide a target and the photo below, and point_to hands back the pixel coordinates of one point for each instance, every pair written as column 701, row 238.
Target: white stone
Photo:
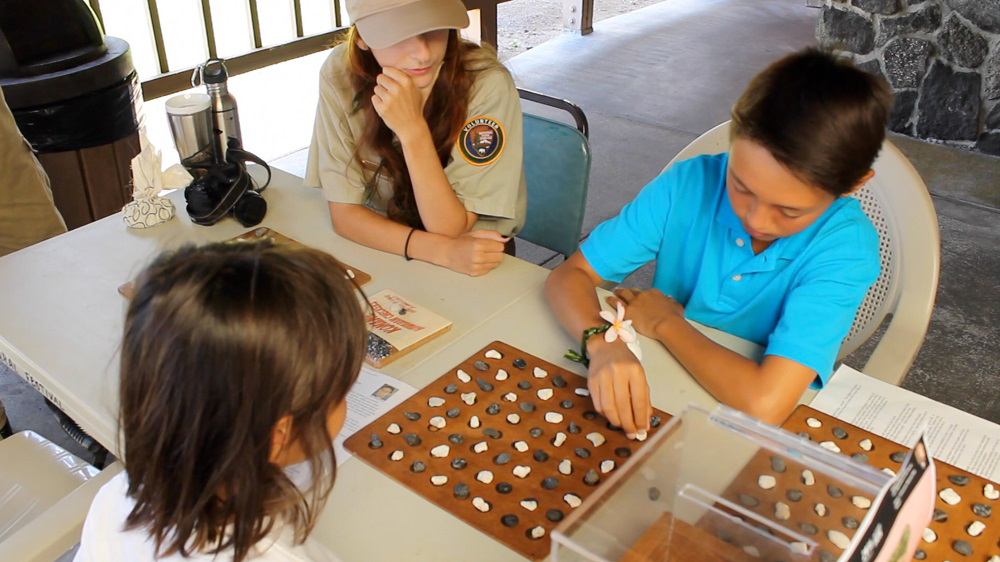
column 781, row 511
column 484, row 476
column 607, row 465
column 481, row 504
column 469, row 398
column 975, row 528
column 641, row 436
column 820, row 509
column 565, row 467
column 521, row 446
column 438, row 422
column 540, row 373
column 350, row 273
column 766, row 481
column 807, row 477
column 480, row 447
column 530, row 505
column 510, row 397
column 573, row 500
column 537, row 532
column 435, row 401
column 799, row 547
column 502, row 375
column 396, row 455
column 830, row 446
column 582, row 391
column 839, row 539
column 929, row 535
column 393, row 428
column 493, row 354
column 553, row 417
column 521, row 471
column 559, row 439
column 814, row 423
column 596, row 438
column 861, row 501
column 751, row 551
column 544, row 393
column 463, row 376
column 866, row 444
column 441, row 451
column 949, row 496
column 889, row 471
column 513, row 419
column 994, row 558
column 439, row 479
column 474, row 422
column 991, row 492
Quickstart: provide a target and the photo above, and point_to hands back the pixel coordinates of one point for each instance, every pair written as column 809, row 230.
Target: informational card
column 956, row 437
column 372, row 395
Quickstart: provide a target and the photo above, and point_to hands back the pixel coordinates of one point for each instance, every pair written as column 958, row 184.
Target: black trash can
column 76, row 98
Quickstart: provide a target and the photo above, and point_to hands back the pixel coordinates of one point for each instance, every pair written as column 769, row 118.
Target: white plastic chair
column 45, row 493
column 900, row 207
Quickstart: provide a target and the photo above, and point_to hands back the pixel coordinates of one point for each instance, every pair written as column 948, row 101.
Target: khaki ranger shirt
column 484, row 168
column 27, row 213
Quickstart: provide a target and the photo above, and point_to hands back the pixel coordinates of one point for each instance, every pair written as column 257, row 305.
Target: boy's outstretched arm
column 768, row 390
column 616, row 379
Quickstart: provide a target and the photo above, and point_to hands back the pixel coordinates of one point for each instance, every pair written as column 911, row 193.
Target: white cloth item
column 105, row 540
column 148, row 180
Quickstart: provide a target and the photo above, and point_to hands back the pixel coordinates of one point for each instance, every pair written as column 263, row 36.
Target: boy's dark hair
column 220, row 342
column 820, row 116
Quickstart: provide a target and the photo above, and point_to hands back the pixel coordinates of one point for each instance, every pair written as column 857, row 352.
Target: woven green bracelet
column 582, row 356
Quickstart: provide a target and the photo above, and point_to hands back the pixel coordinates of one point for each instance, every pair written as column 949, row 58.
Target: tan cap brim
column 387, row 28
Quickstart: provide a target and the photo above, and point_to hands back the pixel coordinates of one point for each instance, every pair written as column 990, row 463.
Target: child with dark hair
column 236, row 363
column 761, row 242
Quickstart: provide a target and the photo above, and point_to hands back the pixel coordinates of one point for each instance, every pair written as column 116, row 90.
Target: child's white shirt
column 106, row 540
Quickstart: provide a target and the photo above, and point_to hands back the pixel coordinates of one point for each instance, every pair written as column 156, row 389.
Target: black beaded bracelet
column 406, row 247
column 583, row 356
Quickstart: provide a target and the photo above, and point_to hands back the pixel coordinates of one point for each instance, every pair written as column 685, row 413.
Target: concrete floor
column 653, row 80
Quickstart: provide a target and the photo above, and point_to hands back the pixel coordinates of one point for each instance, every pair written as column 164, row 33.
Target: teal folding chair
column 556, row 170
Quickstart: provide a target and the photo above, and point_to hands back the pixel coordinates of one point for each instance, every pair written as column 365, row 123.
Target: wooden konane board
column 542, row 457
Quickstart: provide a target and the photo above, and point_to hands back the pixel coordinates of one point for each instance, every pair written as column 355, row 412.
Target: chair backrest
column 557, row 170
column 899, row 206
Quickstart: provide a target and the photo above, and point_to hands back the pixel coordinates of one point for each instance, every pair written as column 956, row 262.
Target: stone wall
column 941, row 57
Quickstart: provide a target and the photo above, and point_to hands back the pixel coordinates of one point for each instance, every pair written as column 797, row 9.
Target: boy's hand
column 647, row 309
column 399, row 103
column 617, row 385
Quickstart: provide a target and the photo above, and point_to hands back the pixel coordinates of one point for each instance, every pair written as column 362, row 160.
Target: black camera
column 228, row 188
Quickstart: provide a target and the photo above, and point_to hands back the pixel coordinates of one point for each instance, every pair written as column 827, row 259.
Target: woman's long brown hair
column 446, row 111
column 220, row 342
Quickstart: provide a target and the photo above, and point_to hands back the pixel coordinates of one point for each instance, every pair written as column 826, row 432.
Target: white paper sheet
column 372, row 395
column 954, row 436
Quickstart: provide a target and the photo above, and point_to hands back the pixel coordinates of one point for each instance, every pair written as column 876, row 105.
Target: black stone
column 859, row 457
column 554, row 515
column 453, row 413
column 527, row 407
column 612, row 426
column 834, row 491
column 520, row 363
column 504, row 488
column 451, row 389
column 985, row 14
column 481, row 365
column 536, row 432
column 898, row 456
column 925, row 20
column 949, row 105
column 919, row 554
column 777, row 464
column 827, row 556
column 847, row 31
column 540, row 455
column 582, row 452
column 839, row 433
column 524, row 385
column 805, row 435
column 412, row 439
column 989, row 143
column 906, row 60
column 962, row 547
column 748, row 500
column 655, row 421
column 502, row 458
column 591, row 478
column 850, row 522
column 550, row 482
column 794, row 495
column 461, row 491
column 808, row 528
column 509, row 520
column 590, row 415
column 623, row 452
column 558, row 381
column 412, row 416
column 374, row 442
column 940, row 515
column 456, row 438
column 573, row 428
column 653, row 493
column 961, row 45
column 982, row 510
column 418, row 467
column 566, row 404
column 493, row 433
column 884, row 7
column 959, row 479
column 901, row 114
column 493, row 409
column 484, row 385
column 993, row 119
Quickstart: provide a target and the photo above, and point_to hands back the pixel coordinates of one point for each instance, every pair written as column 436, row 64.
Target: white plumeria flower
column 621, row 328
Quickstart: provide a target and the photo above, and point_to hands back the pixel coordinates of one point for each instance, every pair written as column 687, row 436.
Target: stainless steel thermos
column 225, row 115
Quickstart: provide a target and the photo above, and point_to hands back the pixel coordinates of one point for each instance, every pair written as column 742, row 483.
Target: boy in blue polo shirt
column 761, row 242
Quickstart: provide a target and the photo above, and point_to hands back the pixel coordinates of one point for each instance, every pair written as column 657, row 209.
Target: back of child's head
column 220, row 342
column 819, row 115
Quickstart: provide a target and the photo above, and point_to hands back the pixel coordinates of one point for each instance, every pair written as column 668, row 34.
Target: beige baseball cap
column 383, row 23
